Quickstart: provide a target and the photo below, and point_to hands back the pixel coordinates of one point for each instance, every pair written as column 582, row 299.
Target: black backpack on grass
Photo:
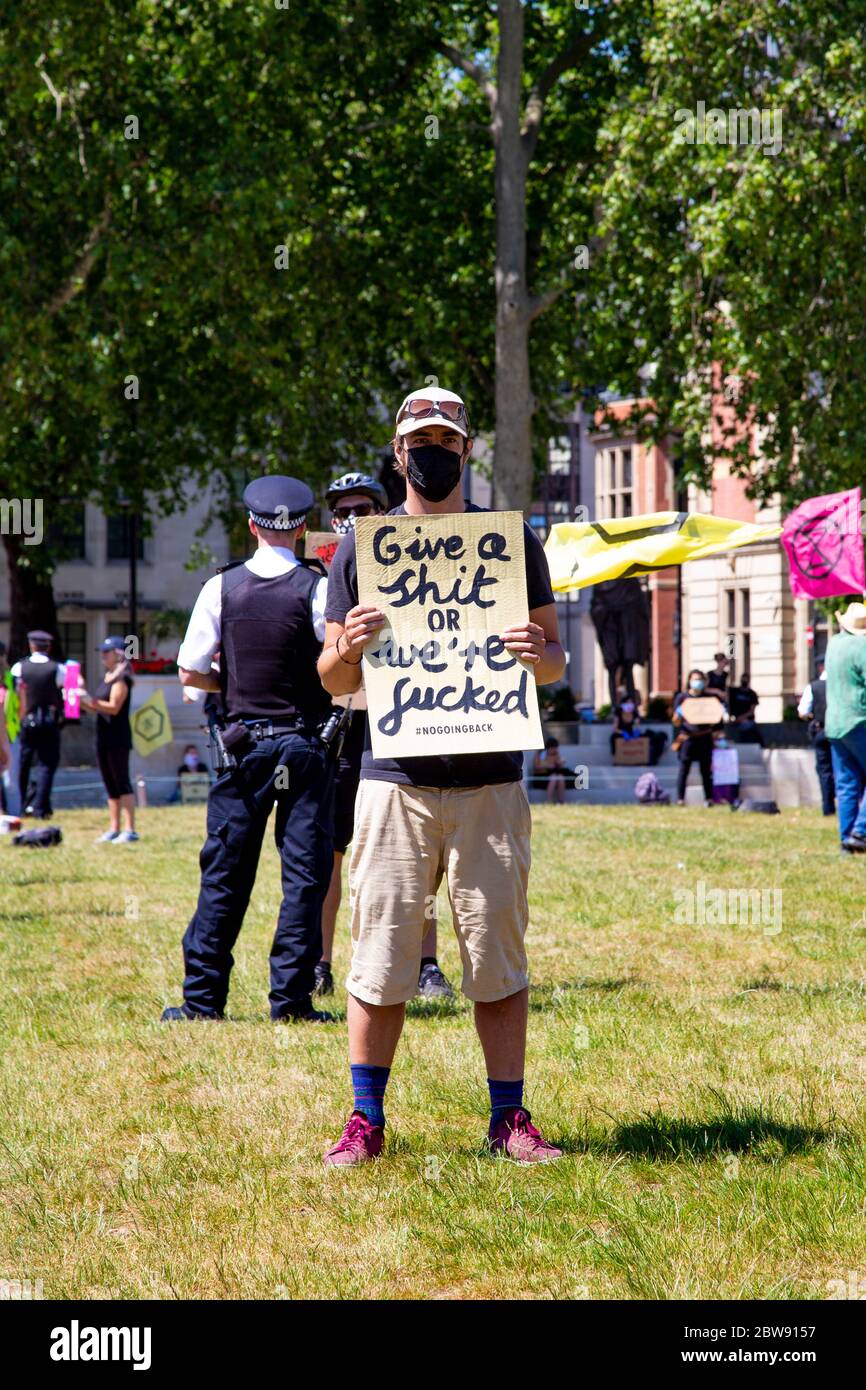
column 42, row 838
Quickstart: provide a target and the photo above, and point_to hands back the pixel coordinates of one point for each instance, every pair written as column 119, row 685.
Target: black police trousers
column 293, row 771
column 824, row 768
column 40, row 755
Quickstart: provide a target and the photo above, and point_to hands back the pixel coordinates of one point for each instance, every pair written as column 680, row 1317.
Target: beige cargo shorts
column 406, row 840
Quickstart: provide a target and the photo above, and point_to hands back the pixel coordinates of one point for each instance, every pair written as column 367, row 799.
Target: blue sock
column 504, row 1096
column 369, row 1084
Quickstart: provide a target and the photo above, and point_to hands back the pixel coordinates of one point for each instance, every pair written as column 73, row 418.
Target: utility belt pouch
column 237, row 740
column 332, row 732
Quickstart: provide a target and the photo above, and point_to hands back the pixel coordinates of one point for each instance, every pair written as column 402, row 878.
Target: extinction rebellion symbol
column 149, row 724
column 817, row 546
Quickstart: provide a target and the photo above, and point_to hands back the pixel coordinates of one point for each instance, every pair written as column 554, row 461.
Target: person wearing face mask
column 192, row 763
column 695, row 741
column 627, row 725
column 464, row 818
column 354, row 495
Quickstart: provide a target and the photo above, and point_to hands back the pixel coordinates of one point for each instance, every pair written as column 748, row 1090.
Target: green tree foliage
column 730, row 254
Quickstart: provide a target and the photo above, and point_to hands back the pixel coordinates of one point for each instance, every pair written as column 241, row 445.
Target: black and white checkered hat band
column 279, row 523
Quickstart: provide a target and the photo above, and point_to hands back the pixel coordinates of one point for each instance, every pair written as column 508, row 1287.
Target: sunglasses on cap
column 356, row 509
column 422, row 407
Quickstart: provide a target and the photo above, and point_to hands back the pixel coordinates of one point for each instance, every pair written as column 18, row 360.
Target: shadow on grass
column 427, row 1009
column 668, row 1138
column 547, row 996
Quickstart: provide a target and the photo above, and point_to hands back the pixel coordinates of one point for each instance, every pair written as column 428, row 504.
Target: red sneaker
column 360, row 1142
column 515, row 1137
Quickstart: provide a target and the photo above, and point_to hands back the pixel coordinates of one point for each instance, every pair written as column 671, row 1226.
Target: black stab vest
column 268, row 646
column 819, row 702
column 43, row 693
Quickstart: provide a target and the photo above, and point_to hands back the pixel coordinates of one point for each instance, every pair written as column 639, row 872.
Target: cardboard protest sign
column 702, row 710
column 439, row 679
column 321, row 545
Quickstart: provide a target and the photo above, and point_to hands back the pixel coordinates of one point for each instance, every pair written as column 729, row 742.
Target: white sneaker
column 108, row 835
column 126, row 837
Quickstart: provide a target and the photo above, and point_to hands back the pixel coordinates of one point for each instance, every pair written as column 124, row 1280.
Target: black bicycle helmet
column 358, row 482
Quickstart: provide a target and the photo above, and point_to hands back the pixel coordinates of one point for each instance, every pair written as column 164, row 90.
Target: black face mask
column 433, row 471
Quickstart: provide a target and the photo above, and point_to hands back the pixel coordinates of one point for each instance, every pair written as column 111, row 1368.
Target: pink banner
column 824, row 544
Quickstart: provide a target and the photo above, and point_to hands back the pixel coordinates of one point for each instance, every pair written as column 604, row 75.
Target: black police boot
column 303, row 1012
column 324, row 979
column 185, row 1015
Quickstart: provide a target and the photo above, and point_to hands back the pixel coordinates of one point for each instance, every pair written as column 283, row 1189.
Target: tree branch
column 83, row 266
column 570, row 57
column 478, row 74
column 58, row 96
column 476, row 366
column 539, row 304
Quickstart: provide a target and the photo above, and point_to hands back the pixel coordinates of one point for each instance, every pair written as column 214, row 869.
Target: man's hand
column 361, row 625
column 526, row 641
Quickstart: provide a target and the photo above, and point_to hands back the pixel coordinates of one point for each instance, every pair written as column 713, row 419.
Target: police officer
column 266, row 617
column 39, row 682
column 813, row 706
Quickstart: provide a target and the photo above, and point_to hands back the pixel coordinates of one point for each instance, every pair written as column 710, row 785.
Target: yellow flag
column 151, row 726
column 587, row 552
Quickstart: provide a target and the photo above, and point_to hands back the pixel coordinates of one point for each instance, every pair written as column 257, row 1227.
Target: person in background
column 845, row 725
column 742, row 701
column 695, row 742
column 813, row 706
column 265, row 616
column 5, row 741
column 718, row 677
column 627, row 725
column 192, row 763
column 548, row 767
column 39, row 685
column 114, row 739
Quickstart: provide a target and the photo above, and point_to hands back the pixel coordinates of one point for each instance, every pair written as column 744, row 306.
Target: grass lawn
column 706, row 1081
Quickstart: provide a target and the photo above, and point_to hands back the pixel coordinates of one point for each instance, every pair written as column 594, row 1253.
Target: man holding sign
column 417, row 596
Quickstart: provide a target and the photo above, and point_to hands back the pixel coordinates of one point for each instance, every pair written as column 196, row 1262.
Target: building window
column 613, row 473
column 559, row 489
column 65, row 534
column 737, row 638
column 73, row 639
column 118, row 538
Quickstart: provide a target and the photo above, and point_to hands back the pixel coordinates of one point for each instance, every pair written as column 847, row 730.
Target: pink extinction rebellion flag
column 824, row 543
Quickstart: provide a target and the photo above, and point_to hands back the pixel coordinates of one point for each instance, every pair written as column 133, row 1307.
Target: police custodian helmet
column 277, row 503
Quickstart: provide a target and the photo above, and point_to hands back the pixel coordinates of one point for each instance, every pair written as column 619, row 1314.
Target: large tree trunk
column 514, row 401
column 31, row 598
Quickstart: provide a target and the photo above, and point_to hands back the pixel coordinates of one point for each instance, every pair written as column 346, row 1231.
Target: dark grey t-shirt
column 459, row 769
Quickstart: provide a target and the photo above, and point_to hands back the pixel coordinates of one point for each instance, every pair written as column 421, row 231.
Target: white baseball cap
column 432, row 406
